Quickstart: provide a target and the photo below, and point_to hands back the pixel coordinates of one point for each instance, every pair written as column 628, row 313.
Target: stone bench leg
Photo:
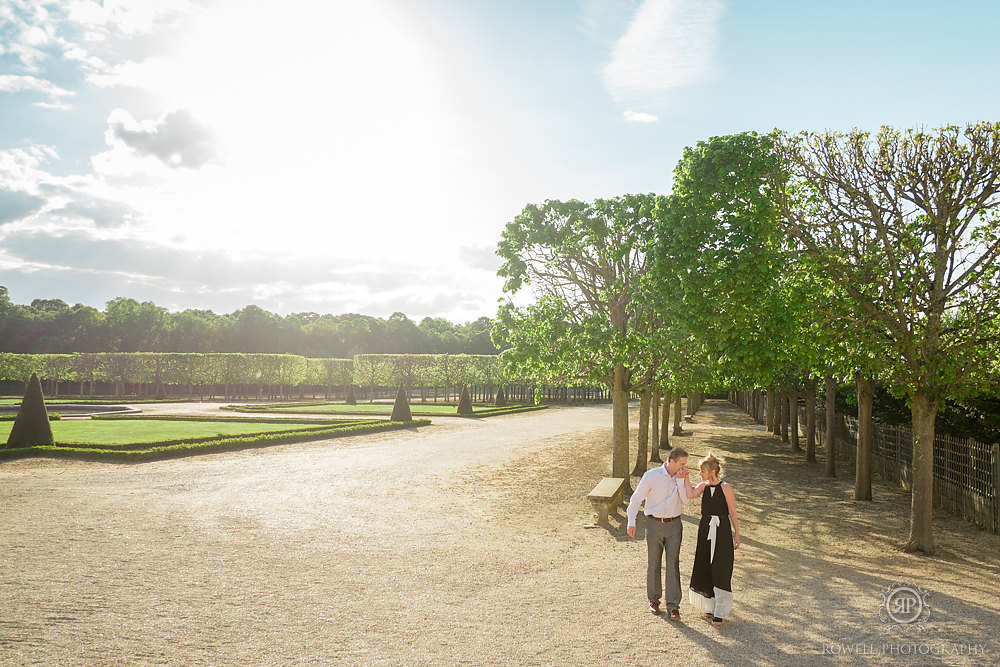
column 601, row 507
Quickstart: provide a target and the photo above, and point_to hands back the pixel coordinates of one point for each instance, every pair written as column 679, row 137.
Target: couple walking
column 665, row 490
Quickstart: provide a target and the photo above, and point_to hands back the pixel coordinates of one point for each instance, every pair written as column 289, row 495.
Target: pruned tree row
column 779, row 263
column 270, row 376
column 230, row 375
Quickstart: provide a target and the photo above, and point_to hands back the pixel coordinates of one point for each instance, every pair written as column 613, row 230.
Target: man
column 664, row 490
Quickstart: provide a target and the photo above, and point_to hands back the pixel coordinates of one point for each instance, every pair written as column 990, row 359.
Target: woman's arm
column 731, row 501
column 696, row 491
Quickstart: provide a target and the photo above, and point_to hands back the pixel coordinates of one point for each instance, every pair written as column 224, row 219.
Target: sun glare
column 333, row 130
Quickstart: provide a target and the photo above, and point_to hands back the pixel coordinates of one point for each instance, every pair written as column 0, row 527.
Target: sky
column 330, row 156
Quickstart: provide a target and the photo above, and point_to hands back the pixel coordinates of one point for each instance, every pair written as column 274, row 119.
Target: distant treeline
column 126, row 325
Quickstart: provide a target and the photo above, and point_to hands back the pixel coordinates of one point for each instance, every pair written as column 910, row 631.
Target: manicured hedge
column 53, row 417
column 509, row 410
column 415, row 408
column 206, row 447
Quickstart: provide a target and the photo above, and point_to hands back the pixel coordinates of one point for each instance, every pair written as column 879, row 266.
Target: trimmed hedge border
column 215, row 445
column 53, row 417
column 414, row 408
column 509, row 410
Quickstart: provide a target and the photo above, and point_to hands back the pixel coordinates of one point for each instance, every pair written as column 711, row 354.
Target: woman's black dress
column 712, row 575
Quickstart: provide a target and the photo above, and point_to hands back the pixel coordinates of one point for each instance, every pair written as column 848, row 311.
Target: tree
column 134, row 327
column 253, row 329
column 583, row 262
column 723, row 274
column 905, row 224
column 193, row 331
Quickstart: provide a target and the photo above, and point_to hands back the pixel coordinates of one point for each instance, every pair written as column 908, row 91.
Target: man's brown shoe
column 654, row 608
column 675, row 614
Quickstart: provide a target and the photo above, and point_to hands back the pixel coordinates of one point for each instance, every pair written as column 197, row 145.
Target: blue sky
column 365, row 156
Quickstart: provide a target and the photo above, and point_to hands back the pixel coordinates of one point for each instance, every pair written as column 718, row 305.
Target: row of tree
column 126, row 325
column 259, row 375
column 777, row 261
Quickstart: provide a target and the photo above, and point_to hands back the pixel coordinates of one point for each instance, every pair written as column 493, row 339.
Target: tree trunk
column 677, row 414
column 665, row 425
column 619, row 425
column 863, row 465
column 654, row 418
column 793, row 420
column 811, row 420
column 783, row 415
column 923, row 410
column 640, row 458
column 831, row 416
column 770, row 421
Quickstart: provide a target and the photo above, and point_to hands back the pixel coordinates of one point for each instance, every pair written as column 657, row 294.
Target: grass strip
column 137, row 432
column 206, row 447
column 147, row 444
column 221, row 418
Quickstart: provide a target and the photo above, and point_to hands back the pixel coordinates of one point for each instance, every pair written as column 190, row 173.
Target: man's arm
column 639, row 495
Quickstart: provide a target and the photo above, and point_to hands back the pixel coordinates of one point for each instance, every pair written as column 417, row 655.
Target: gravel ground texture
column 464, row 544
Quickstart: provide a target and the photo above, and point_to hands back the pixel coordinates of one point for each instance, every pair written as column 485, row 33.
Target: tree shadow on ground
column 819, row 572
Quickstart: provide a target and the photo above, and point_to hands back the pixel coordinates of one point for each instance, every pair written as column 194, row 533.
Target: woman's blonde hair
column 712, row 463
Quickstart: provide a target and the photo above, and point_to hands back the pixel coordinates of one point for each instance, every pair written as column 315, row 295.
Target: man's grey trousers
column 664, row 537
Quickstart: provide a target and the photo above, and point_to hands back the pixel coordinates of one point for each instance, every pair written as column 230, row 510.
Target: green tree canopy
column 905, row 223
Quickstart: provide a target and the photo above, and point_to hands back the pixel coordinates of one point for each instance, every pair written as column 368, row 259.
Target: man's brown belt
column 656, row 518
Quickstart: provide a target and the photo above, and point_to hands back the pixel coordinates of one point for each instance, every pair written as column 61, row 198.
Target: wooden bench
column 606, row 496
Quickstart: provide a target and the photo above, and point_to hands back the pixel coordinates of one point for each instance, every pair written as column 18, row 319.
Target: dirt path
column 462, row 543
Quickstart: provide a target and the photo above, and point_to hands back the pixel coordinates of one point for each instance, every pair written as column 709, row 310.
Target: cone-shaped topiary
column 352, row 398
column 465, row 403
column 31, row 426
column 501, row 400
column 401, row 408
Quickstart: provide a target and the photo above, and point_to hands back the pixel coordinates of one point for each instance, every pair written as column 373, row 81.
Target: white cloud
column 668, row 44
column 57, row 106
column 178, row 139
column 18, row 83
column 21, row 168
column 640, row 117
column 126, row 17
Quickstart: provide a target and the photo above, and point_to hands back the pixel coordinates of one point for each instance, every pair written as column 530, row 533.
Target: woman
column 711, row 588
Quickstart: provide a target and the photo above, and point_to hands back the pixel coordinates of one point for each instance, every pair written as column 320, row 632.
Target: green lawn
column 135, row 440
column 129, row 431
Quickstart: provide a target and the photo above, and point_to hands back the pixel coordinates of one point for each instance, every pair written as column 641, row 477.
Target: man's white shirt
column 665, row 496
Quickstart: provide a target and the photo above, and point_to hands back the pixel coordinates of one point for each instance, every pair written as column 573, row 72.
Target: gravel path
column 462, row 543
